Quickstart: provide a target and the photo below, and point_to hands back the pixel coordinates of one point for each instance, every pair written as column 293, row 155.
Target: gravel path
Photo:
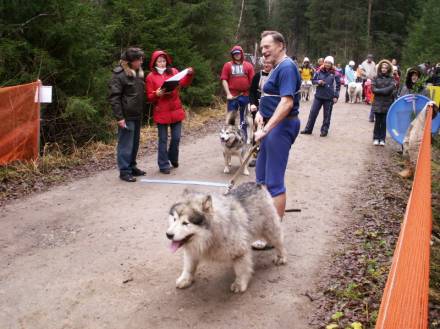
column 93, row 253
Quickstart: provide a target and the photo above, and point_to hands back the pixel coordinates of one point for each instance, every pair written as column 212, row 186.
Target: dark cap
column 235, row 51
column 132, row 54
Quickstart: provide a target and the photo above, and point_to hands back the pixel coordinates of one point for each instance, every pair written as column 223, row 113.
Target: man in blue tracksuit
column 327, row 93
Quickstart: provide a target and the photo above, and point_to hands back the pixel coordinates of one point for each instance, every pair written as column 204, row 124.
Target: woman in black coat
column 384, row 88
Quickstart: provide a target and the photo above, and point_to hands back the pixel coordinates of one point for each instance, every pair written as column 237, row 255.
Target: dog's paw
column 246, row 172
column 226, row 170
column 280, row 260
column 238, row 287
column 183, row 282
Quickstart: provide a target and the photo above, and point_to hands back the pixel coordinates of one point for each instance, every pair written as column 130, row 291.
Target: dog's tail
column 231, row 117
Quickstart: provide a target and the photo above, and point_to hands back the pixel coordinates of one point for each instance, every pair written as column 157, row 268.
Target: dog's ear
column 207, row 203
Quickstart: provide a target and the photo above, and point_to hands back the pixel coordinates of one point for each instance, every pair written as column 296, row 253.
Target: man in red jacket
column 236, row 79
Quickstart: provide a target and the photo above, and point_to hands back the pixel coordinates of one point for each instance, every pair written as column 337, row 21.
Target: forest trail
column 93, row 253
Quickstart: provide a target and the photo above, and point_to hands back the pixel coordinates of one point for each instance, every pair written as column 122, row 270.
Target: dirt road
column 93, row 253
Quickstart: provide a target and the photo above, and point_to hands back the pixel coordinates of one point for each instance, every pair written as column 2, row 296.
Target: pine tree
column 423, row 43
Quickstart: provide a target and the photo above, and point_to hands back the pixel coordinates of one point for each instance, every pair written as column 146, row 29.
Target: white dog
column 355, row 92
column 221, row 228
column 306, row 88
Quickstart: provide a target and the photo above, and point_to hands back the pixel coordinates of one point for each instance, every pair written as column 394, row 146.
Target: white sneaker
column 382, row 143
column 376, row 142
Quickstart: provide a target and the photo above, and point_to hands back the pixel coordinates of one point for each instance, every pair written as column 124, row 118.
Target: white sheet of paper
column 44, row 94
column 179, row 76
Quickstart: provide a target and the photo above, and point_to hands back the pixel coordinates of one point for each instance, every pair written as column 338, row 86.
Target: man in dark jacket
column 127, row 98
column 327, row 93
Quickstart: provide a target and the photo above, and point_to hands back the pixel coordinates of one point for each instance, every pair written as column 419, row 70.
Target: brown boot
column 408, row 172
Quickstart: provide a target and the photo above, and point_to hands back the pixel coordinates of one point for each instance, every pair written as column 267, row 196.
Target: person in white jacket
column 369, row 67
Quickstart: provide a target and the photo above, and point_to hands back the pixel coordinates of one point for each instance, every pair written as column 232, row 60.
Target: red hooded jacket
column 239, row 77
column 168, row 107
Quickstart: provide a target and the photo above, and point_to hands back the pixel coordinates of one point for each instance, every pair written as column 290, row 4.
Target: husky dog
column 306, row 87
column 355, row 92
column 221, row 228
column 233, row 142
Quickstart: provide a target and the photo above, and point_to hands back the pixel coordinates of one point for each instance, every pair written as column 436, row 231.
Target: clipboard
column 169, row 86
column 172, row 83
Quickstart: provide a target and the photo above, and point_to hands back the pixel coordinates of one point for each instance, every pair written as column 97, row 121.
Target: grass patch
column 59, row 163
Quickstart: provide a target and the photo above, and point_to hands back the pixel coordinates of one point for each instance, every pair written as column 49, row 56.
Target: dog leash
column 232, row 181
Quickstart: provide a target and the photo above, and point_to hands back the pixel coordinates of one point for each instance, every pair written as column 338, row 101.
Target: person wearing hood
column 168, row 111
column 327, row 93
column 350, row 76
column 383, row 88
column 236, row 77
column 413, row 84
column 127, row 99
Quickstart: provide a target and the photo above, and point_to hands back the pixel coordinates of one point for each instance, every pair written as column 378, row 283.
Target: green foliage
column 73, row 46
column 254, row 22
column 423, row 43
column 80, row 109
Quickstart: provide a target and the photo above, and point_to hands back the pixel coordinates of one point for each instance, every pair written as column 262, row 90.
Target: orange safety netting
column 19, row 123
column 405, row 299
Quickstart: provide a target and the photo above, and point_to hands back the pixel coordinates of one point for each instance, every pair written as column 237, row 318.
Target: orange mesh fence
column 405, row 299
column 19, row 123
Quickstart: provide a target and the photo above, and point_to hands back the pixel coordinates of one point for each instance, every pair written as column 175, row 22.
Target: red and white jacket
column 167, row 108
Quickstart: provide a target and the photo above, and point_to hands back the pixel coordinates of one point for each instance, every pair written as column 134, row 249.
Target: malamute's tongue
column 175, row 245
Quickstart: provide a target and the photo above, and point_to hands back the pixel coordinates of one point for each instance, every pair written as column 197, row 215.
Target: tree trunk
column 370, row 5
column 239, row 21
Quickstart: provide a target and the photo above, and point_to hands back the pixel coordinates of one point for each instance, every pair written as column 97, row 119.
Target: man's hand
column 253, row 108
column 335, row 100
column 160, row 92
column 259, row 135
column 122, row 124
column 229, row 97
column 321, row 82
column 190, row 71
column 259, row 120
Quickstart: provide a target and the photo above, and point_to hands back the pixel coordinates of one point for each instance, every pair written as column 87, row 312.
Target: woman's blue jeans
column 166, row 154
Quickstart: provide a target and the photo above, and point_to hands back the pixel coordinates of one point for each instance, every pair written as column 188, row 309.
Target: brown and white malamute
column 234, row 142
column 221, row 228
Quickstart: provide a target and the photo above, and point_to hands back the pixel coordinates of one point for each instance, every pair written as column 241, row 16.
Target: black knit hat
column 132, row 54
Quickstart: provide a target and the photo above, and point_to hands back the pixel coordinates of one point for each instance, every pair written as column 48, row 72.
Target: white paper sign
column 179, row 76
column 44, row 94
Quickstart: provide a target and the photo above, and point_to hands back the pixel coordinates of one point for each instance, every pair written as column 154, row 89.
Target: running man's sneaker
column 382, row 143
column 376, row 142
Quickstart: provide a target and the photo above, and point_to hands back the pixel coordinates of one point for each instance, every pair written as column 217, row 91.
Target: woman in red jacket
column 167, row 108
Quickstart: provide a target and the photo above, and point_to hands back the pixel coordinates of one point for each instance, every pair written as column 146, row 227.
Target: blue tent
column 401, row 113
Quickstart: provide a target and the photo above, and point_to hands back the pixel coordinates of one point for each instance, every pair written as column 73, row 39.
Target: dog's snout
column 170, row 236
